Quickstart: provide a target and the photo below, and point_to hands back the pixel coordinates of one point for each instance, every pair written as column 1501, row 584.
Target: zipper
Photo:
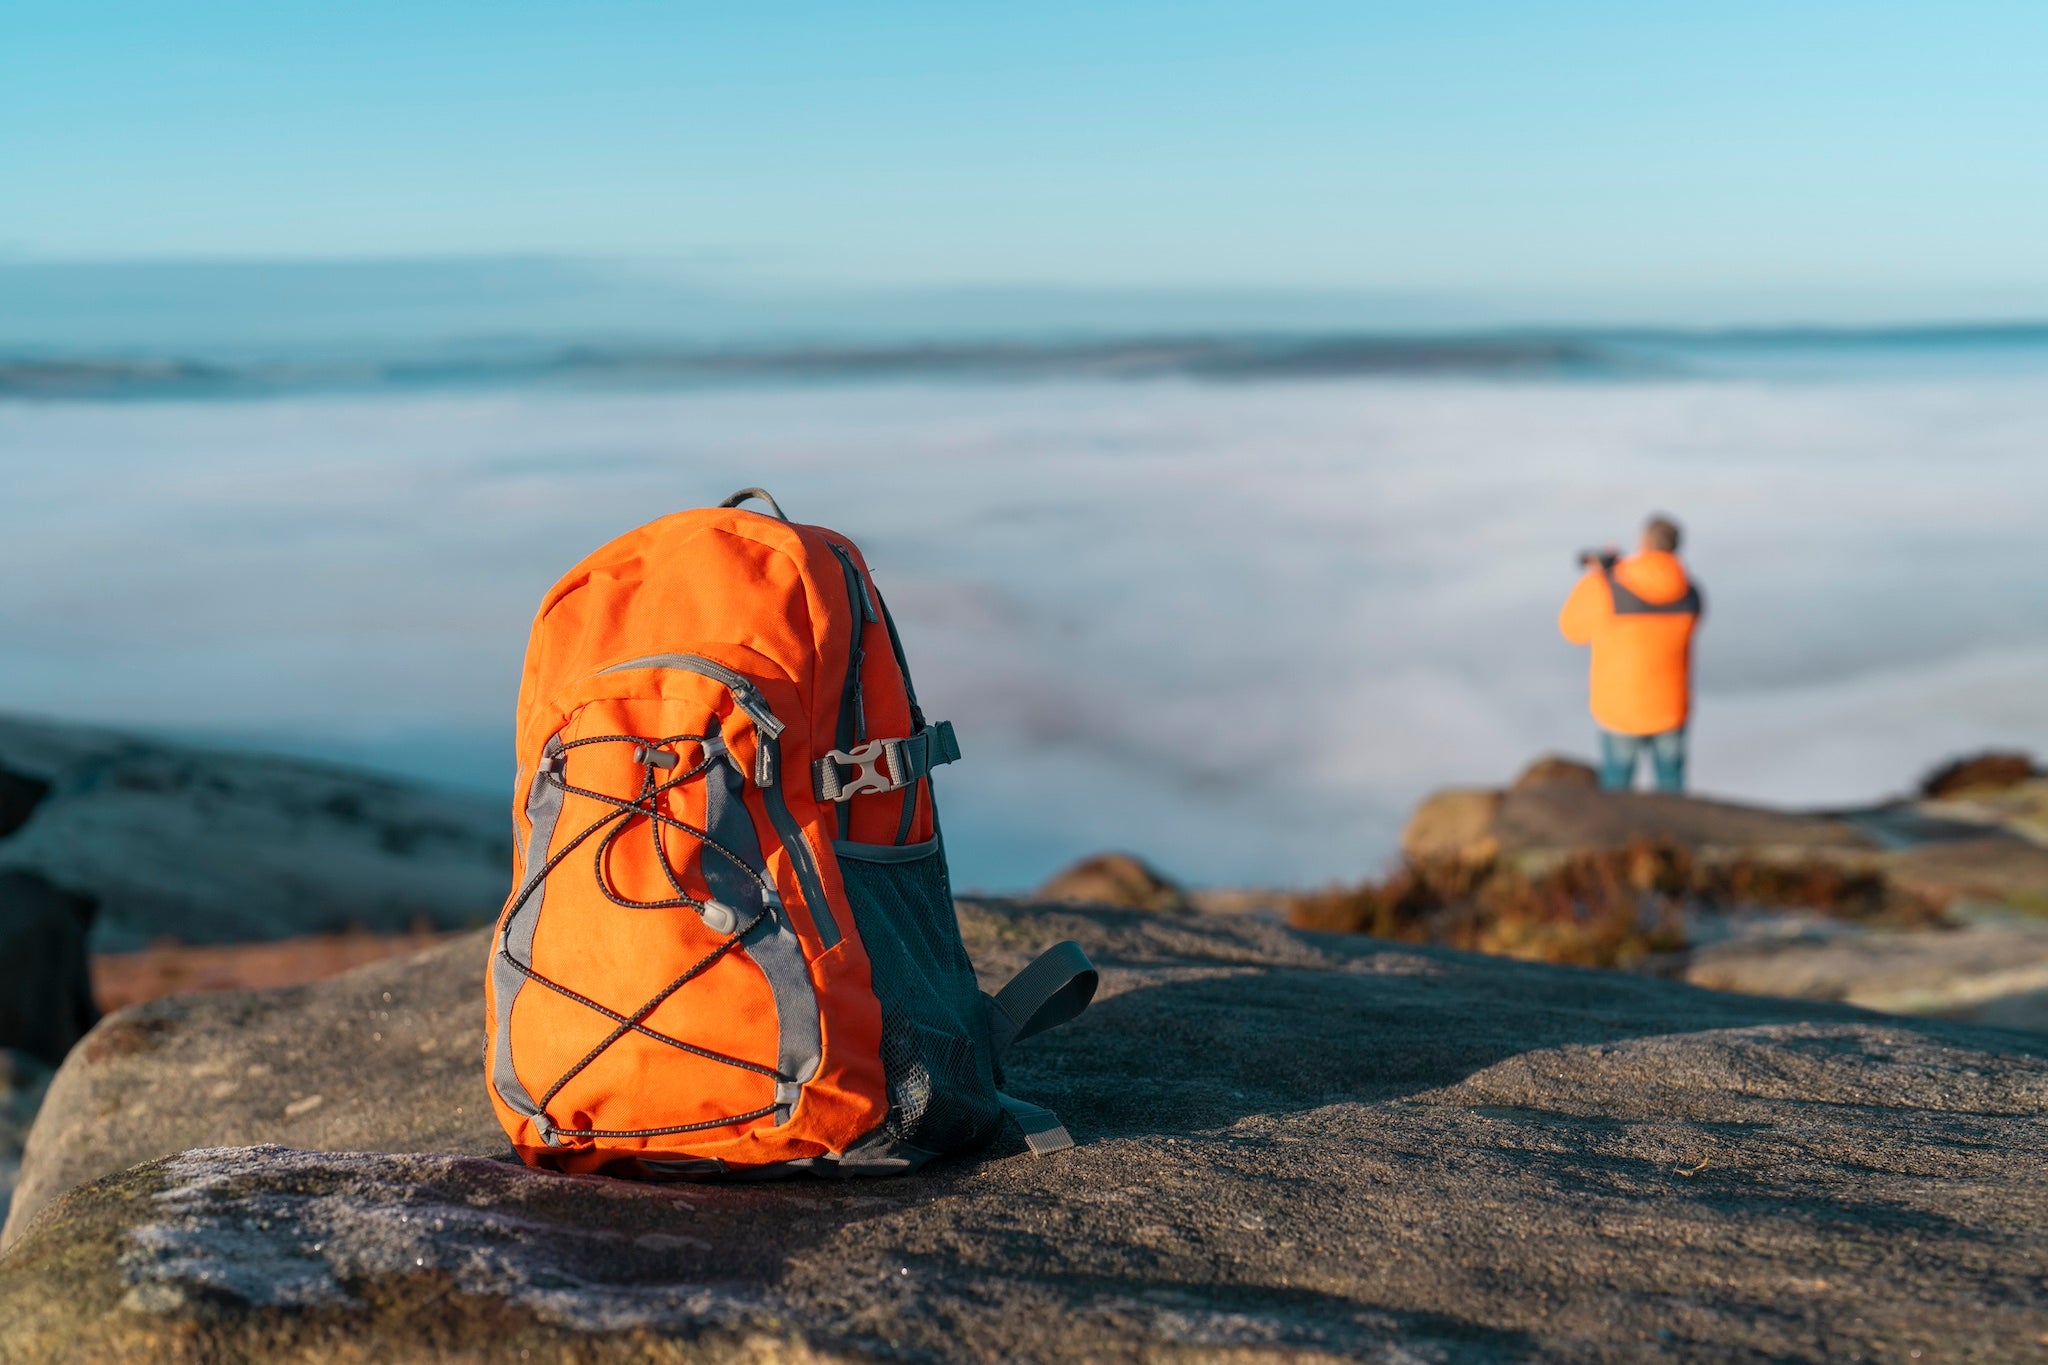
column 766, row 754
column 744, row 694
column 853, row 719
column 853, row 714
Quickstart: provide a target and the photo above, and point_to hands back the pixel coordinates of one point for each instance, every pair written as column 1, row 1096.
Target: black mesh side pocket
column 936, row 1049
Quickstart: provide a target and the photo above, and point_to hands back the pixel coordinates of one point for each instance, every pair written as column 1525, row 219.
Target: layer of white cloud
column 1239, row 629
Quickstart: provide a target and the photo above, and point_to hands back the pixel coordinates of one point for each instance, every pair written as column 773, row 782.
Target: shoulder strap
column 1057, row 985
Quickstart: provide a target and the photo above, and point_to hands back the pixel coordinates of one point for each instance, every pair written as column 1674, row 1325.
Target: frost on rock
column 272, row 1226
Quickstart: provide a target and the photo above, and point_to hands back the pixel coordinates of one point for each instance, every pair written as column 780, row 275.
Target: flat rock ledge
column 1293, row 1146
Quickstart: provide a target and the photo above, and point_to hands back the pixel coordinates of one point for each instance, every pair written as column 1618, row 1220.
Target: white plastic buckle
column 880, row 770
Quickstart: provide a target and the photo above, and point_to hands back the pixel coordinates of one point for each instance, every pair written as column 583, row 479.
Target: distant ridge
column 1220, row 357
column 625, row 365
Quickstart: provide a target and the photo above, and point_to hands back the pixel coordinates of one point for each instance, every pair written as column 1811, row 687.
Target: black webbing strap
column 1056, row 987
column 884, row 765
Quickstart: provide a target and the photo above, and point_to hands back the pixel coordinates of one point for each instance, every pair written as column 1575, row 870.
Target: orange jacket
column 1639, row 619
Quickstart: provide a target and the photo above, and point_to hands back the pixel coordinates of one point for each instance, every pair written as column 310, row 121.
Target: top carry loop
column 760, row 494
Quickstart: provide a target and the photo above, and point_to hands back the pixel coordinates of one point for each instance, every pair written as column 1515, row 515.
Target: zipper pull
column 854, row 576
column 751, row 702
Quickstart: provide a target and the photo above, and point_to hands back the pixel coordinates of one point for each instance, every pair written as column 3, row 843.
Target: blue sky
column 1654, row 162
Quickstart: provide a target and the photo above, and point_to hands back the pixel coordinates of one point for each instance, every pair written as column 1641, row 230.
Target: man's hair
column 1661, row 533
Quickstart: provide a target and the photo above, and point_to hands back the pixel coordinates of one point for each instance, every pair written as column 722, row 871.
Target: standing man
column 1639, row 615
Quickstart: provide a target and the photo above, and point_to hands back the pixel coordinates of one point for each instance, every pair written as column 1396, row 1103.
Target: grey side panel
column 781, row 958
column 543, row 810
column 771, row 943
column 806, row 869
column 884, row 853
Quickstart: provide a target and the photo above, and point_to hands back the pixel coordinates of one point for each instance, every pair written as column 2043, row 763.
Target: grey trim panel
column 885, row 853
column 543, row 809
column 770, row 943
column 774, row 947
column 806, row 868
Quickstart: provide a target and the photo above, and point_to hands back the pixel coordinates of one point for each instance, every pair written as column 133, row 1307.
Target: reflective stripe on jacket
column 1639, row 618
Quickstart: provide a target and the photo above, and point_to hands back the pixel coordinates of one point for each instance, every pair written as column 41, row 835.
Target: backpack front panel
column 624, row 956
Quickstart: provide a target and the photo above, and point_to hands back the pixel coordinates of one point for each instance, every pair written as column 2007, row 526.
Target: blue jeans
column 1620, row 755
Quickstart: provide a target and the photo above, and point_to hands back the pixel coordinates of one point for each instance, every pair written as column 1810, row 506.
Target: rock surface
column 1292, row 1146
column 1991, row 973
column 387, row 1058
column 212, row 847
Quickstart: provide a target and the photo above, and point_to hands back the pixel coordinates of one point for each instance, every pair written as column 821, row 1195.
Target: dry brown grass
column 1611, row 908
column 122, row 979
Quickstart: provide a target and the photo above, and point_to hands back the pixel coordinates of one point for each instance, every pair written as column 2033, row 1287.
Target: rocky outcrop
column 2021, row 808
column 1454, row 826
column 1884, row 906
column 1120, row 879
column 1292, row 1146
column 1555, row 770
column 1538, row 825
column 1992, row 771
column 46, row 1001
column 171, row 841
column 1943, row 852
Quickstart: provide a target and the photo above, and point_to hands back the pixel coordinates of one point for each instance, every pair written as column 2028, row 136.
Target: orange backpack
column 730, row 946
